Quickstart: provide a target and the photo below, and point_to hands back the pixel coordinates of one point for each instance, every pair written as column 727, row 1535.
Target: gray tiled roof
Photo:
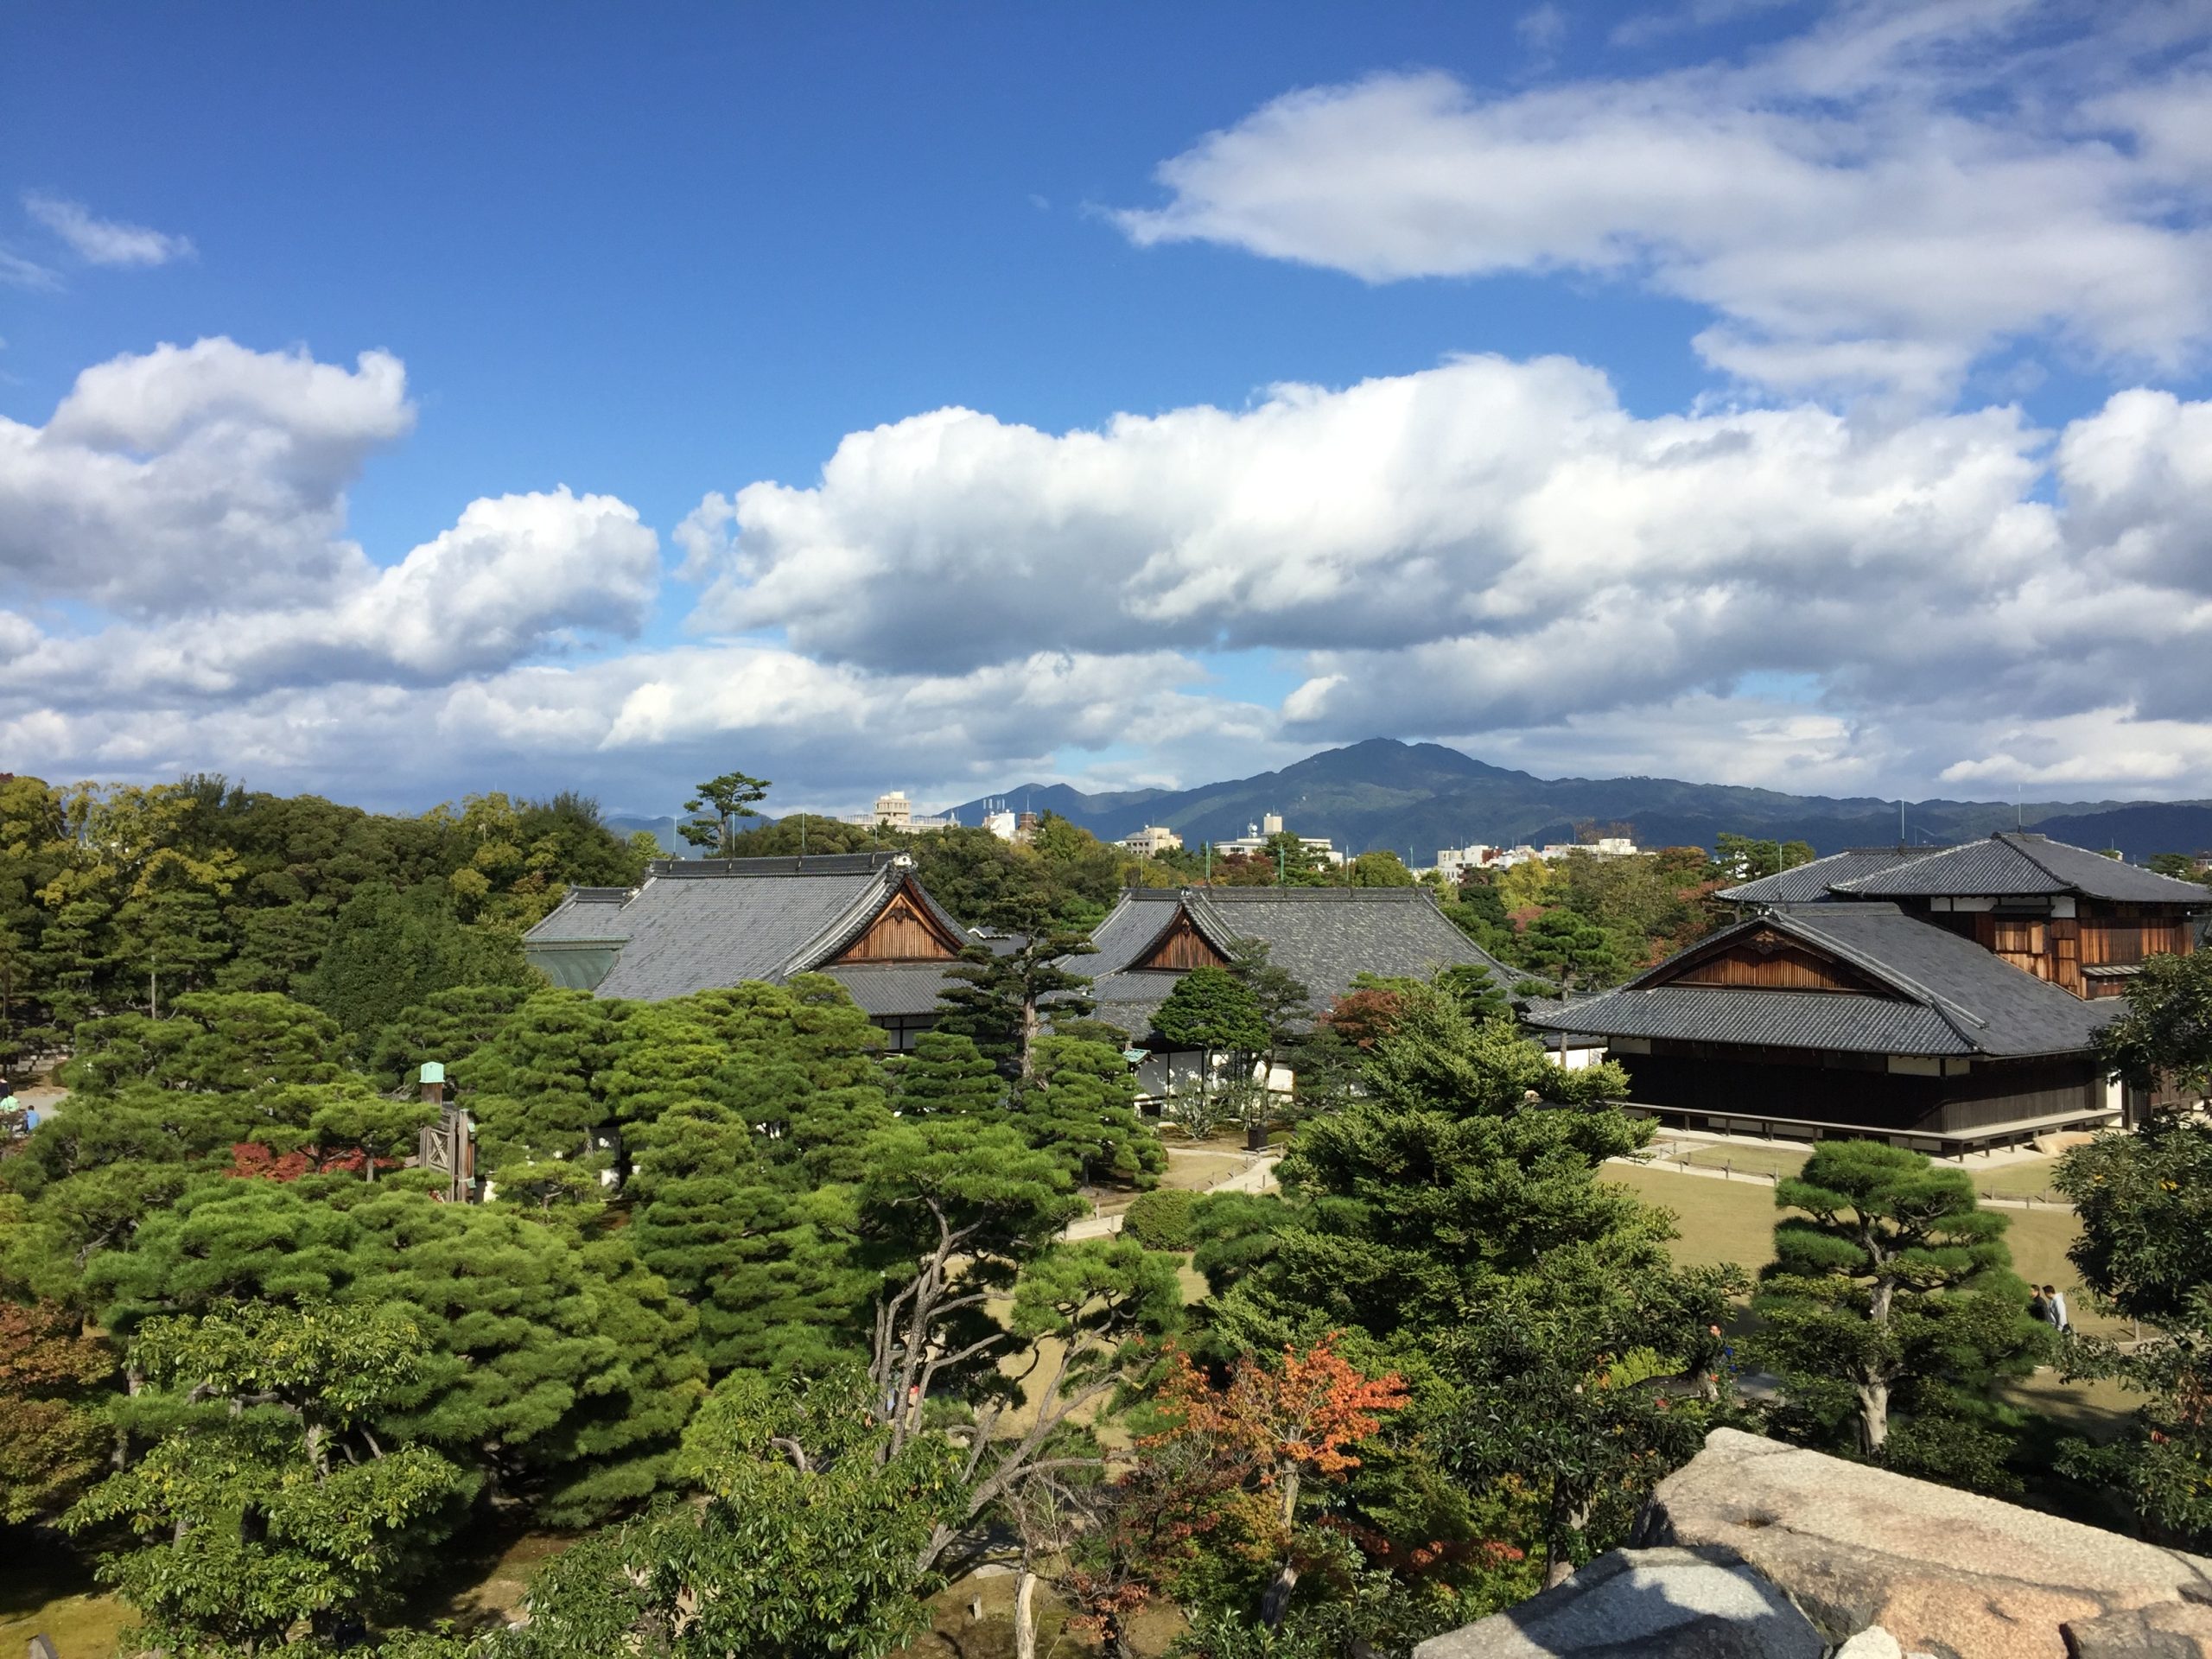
column 2017, row 863
column 1871, row 1024
column 1322, row 936
column 1946, row 995
column 696, row 924
column 1809, row 883
column 897, row 988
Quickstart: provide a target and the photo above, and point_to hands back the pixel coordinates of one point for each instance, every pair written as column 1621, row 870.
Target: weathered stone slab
column 2175, row 1630
column 1942, row 1570
column 1653, row 1604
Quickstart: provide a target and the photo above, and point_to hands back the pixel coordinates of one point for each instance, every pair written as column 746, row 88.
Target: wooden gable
column 1769, row 960
column 904, row 930
column 1181, row 947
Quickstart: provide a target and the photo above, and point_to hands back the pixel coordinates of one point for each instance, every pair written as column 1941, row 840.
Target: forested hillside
column 120, row 897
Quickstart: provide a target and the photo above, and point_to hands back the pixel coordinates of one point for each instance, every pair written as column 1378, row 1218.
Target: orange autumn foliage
column 1201, row 1478
column 1285, row 1421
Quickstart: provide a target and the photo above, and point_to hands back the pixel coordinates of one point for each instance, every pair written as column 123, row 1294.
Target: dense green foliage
column 1593, row 919
column 788, row 1329
column 115, row 897
column 2145, row 1252
column 2165, row 1036
column 1892, row 1290
column 263, row 1502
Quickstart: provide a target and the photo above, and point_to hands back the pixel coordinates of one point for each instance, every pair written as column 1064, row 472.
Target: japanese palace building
column 1944, row 998
column 1323, row 936
column 696, row 924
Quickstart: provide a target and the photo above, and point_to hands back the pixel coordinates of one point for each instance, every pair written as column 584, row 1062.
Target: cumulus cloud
column 517, row 575
column 189, row 476
column 1493, row 547
column 1484, row 500
column 1854, row 207
column 637, row 728
column 103, row 241
column 1492, row 552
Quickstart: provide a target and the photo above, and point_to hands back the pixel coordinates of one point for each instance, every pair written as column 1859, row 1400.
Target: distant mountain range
column 1416, row 797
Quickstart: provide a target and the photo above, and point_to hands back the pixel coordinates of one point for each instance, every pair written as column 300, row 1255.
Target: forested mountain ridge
column 1414, row 797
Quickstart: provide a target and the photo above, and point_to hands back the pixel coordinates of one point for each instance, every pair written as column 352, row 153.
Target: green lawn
column 2029, row 1181
column 2017, row 1180
column 1754, row 1160
column 46, row 1590
column 1733, row 1220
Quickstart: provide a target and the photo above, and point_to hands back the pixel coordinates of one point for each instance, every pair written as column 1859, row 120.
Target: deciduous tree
column 269, row 1502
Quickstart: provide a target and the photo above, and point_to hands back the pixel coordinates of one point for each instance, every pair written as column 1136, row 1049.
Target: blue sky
column 1793, row 395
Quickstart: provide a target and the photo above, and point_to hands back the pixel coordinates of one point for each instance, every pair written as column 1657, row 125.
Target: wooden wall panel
column 1766, row 962
column 2116, row 943
column 1183, row 948
column 904, row 932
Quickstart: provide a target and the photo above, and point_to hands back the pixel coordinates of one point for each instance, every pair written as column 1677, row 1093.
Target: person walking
column 2055, row 1308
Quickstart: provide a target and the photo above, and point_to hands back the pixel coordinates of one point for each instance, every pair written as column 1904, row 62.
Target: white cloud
column 103, row 241
column 19, row 272
column 1853, row 208
column 191, row 476
column 1499, row 548
column 517, row 575
column 1492, row 553
column 1484, row 500
column 1541, row 28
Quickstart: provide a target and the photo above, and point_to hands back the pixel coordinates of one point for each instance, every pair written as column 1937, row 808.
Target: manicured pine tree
column 1001, row 1000
column 552, row 1366
column 946, row 1072
column 765, row 1257
column 1212, row 1010
column 1082, row 1107
column 1443, row 1177
column 806, row 1068
column 1890, row 1286
column 537, row 1088
column 451, row 1027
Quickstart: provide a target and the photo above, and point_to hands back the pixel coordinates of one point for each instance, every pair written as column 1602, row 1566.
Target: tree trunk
column 1874, row 1417
column 1025, row 1614
column 1028, row 1040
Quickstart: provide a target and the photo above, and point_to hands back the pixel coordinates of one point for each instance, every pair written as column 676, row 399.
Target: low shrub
column 1161, row 1221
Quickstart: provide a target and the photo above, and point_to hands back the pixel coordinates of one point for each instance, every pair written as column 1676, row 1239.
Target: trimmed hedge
column 1161, row 1221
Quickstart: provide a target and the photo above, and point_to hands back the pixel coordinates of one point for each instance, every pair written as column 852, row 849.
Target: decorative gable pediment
column 903, row 930
column 1769, row 960
column 1179, row 948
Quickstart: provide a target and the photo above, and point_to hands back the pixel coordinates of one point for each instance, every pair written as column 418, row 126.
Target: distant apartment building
column 894, row 811
column 1452, row 862
column 1256, row 836
column 1152, row 841
column 1603, row 847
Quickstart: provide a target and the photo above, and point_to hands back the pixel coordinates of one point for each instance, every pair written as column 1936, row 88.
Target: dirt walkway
column 1258, row 1175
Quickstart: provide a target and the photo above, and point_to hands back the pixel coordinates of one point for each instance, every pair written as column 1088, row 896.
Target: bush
column 1161, row 1221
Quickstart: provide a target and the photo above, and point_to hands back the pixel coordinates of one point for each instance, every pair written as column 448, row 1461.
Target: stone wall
column 1759, row 1548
